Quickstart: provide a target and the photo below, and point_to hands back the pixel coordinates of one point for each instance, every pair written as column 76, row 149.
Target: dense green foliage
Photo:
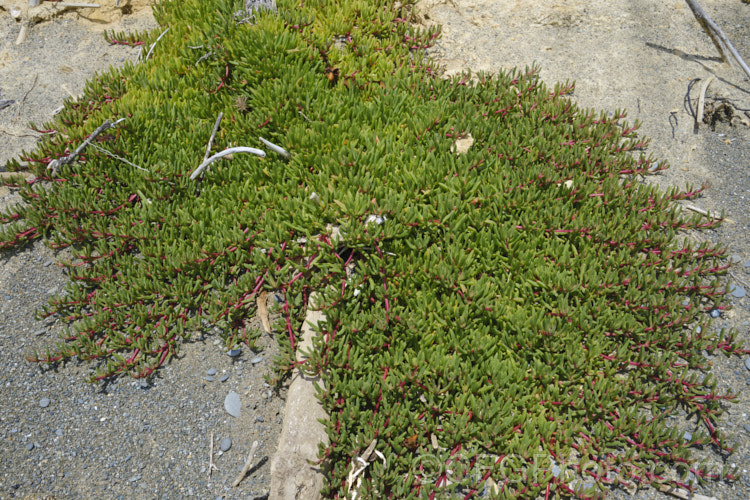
column 524, row 304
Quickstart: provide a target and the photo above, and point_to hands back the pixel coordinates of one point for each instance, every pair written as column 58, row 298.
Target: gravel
column 126, row 438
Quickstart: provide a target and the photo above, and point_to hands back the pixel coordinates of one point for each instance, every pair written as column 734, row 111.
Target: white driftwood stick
column 213, row 134
column 248, row 465
column 701, row 211
column 683, row 494
column 226, row 152
column 726, row 49
column 276, row 149
column 702, row 100
column 155, row 42
column 79, row 5
column 211, row 466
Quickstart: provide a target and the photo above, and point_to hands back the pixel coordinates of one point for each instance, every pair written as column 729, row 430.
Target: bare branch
column 226, row 152
column 726, row 49
column 248, row 465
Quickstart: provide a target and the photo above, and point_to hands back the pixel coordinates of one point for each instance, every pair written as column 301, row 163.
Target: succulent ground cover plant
column 520, row 319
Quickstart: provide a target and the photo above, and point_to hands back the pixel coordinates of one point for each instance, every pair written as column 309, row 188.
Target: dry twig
column 276, row 149
column 248, row 465
column 221, row 154
column 155, row 42
column 23, row 99
column 211, row 466
column 213, row 134
column 683, row 494
column 726, row 49
column 55, row 165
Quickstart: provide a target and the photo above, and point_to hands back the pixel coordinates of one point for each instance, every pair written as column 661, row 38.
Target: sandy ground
column 643, row 56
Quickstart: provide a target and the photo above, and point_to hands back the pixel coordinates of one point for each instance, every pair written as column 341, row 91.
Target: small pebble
column 256, row 360
column 47, row 263
column 259, row 419
column 734, row 259
column 698, row 329
column 746, row 427
column 30, row 446
column 211, row 372
column 225, row 444
column 747, row 363
column 234, row 352
column 59, row 432
column 737, row 291
column 715, row 313
column 224, row 378
column 135, row 478
column 556, row 470
column 232, row 404
column 44, row 402
column 208, row 378
column 144, row 383
column 40, row 332
column 747, row 263
column 687, row 436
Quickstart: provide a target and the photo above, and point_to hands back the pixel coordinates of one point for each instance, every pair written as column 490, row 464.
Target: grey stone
column 30, row 446
column 59, row 432
column 225, row 444
column 232, row 404
column 734, row 259
column 747, row 263
column 687, row 436
column 234, row 352
column 135, row 478
column 259, row 419
column 47, row 263
column 747, row 428
column 715, row 313
column 40, row 332
column 44, row 402
column 747, row 363
column 737, row 291
column 256, row 360
column 211, row 372
column 556, row 470
column 208, row 378
column 224, row 378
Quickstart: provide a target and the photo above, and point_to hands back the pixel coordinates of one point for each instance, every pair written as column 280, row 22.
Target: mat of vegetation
column 519, row 319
